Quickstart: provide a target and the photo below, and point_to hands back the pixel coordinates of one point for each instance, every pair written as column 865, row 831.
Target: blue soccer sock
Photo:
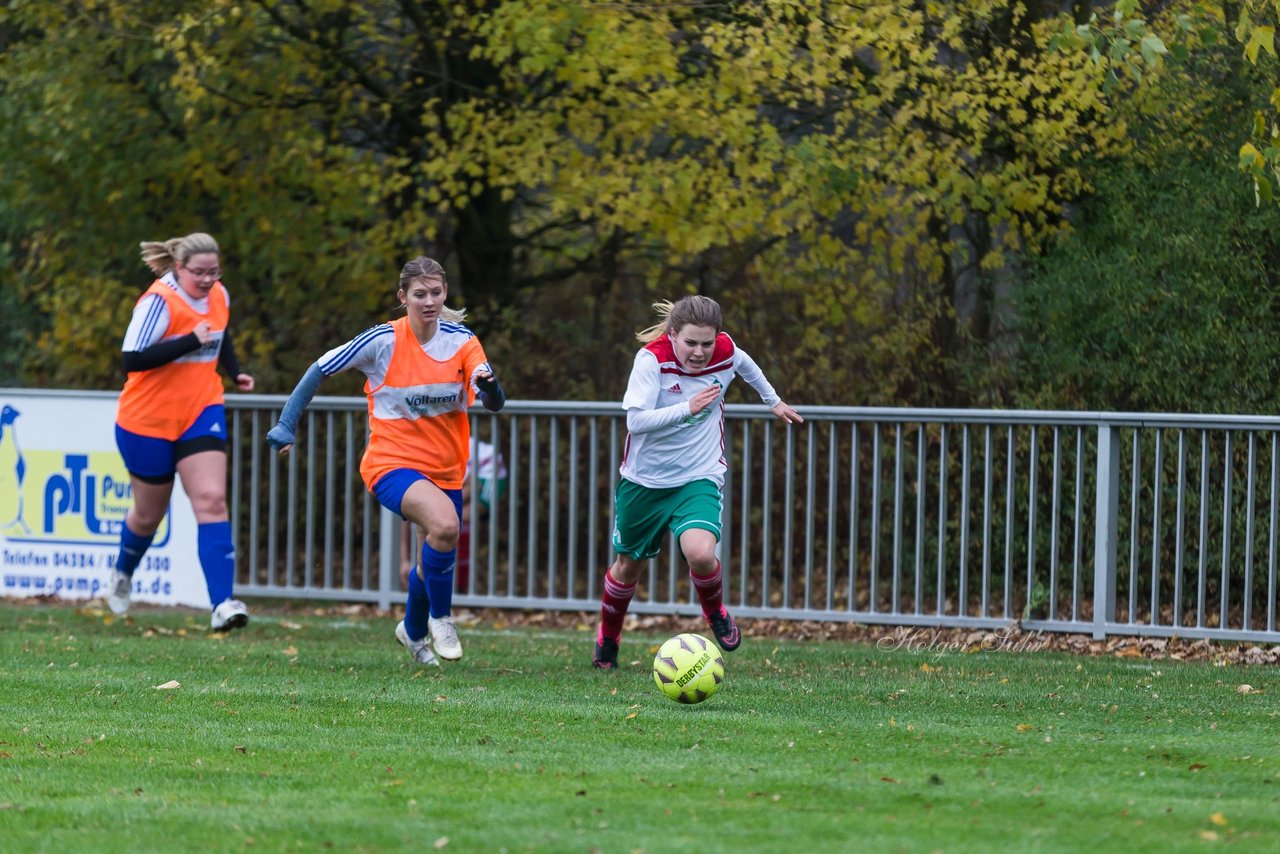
column 437, row 568
column 217, row 558
column 416, row 607
column 132, row 548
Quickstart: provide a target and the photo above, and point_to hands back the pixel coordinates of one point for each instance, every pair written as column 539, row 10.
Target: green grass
column 318, row 731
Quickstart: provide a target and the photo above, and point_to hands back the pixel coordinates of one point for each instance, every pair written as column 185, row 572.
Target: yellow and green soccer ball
column 688, row 668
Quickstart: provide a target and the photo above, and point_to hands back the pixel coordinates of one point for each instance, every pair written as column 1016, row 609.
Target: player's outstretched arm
column 281, row 436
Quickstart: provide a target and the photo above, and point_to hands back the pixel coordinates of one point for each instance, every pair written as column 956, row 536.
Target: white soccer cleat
column 118, row 595
column 444, row 636
column 419, row 649
column 230, row 614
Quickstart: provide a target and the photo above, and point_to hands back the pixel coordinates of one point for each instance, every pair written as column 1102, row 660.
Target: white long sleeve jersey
column 666, row 445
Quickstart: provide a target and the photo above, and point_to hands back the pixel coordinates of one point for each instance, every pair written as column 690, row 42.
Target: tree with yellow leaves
column 859, row 180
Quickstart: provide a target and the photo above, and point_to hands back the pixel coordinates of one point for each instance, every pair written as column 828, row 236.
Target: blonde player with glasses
column 170, row 417
column 673, row 463
column 422, row 372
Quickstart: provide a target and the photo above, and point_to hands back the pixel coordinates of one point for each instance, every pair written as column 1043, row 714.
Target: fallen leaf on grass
column 440, row 843
column 1196, row 767
column 168, row 686
column 288, row 624
column 1219, row 819
column 1245, row 689
column 291, row 650
column 1025, row 727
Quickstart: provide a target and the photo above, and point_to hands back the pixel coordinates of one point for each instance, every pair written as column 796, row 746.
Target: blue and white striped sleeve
column 369, row 352
column 146, row 327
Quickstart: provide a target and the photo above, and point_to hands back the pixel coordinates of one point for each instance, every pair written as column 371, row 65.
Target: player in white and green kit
column 673, row 464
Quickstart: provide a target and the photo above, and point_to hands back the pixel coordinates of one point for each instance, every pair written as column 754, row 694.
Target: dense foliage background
column 916, row 204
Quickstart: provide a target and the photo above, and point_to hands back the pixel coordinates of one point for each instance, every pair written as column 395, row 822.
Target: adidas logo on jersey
column 675, row 389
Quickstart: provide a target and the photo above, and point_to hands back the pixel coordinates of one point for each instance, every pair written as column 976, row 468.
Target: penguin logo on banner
column 13, row 469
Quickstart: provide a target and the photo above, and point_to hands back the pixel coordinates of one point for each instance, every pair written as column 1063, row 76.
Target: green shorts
column 642, row 516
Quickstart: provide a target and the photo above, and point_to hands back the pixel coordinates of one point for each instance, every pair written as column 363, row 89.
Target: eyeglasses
column 211, row 273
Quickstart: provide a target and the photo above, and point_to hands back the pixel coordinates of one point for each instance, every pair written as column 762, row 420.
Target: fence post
column 1106, row 523
column 388, row 555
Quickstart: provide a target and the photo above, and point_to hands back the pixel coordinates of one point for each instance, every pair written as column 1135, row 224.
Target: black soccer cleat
column 606, row 654
column 725, row 630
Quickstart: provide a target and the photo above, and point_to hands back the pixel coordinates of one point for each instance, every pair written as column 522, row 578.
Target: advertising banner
column 64, row 492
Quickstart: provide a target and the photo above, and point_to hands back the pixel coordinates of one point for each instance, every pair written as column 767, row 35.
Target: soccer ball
column 688, row 668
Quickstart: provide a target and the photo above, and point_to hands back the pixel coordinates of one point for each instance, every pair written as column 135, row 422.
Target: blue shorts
column 391, row 487
column 155, row 460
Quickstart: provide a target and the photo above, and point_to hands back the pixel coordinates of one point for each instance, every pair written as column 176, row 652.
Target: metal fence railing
column 1104, row 523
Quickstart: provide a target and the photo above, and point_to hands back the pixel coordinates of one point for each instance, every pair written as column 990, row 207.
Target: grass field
column 319, row 732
